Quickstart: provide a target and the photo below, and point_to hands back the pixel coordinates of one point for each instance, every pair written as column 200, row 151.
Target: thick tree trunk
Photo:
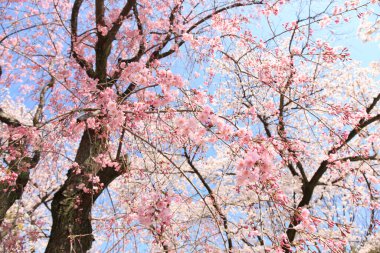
column 71, row 211
column 71, row 206
column 71, row 230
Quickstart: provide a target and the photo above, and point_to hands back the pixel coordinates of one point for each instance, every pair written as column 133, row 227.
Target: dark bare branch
column 74, row 39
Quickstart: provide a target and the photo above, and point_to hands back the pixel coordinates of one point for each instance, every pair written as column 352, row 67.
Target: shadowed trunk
column 71, row 206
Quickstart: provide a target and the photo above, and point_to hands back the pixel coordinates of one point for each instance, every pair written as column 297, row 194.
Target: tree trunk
column 71, row 230
column 71, row 206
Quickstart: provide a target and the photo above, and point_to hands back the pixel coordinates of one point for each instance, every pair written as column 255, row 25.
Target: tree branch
column 212, row 196
column 8, row 119
column 74, row 36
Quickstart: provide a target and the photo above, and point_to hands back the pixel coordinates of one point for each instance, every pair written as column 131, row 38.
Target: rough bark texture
column 71, row 230
column 71, row 206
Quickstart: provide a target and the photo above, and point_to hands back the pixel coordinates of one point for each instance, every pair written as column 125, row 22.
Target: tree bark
column 71, row 205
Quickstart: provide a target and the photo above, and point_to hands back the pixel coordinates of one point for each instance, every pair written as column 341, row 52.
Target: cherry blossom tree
column 179, row 126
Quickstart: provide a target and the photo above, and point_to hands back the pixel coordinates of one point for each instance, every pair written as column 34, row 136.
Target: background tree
column 178, row 126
